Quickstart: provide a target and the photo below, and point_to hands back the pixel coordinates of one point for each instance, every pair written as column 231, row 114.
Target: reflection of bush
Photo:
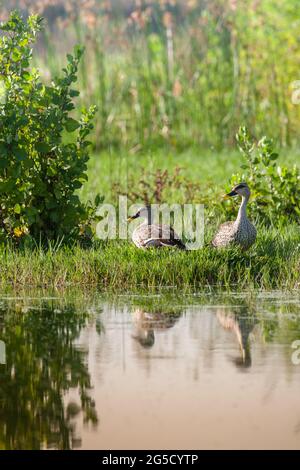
column 42, row 365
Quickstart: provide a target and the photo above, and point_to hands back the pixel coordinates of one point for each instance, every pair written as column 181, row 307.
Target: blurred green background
column 183, row 73
column 173, row 80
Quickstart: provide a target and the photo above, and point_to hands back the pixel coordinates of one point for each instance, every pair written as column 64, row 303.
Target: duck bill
column 231, row 194
column 132, row 217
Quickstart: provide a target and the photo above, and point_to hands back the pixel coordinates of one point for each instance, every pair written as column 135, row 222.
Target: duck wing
column 156, row 235
column 224, row 235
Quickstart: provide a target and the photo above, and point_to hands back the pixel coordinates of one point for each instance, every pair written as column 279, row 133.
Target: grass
column 191, row 77
column 206, row 167
column 274, row 263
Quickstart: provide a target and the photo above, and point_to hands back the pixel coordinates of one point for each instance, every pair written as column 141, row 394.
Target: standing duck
column 149, row 235
column 241, row 232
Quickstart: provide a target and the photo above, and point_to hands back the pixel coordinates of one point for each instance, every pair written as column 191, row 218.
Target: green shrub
column 40, row 167
column 275, row 189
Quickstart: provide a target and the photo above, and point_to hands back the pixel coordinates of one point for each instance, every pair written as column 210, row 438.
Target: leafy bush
column 39, row 171
column 275, row 189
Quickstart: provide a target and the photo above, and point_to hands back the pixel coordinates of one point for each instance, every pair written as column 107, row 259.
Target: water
column 152, row 372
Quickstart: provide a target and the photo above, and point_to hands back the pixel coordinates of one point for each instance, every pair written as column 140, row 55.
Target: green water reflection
column 42, row 364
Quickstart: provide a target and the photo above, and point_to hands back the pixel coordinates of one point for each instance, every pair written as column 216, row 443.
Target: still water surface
column 154, row 372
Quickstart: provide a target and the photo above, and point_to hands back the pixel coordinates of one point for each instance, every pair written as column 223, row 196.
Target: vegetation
column 173, row 85
column 42, row 365
column 43, row 169
column 272, row 263
column 276, row 189
column 179, row 73
column 39, row 171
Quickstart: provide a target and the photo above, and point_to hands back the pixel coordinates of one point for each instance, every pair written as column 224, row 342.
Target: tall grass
column 184, row 73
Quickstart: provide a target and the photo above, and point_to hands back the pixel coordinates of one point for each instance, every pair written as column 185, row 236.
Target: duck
column 240, row 320
column 150, row 235
column 240, row 232
column 146, row 324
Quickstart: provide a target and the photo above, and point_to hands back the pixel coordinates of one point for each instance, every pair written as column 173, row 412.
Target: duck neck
column 242, row 210
column 148, row 219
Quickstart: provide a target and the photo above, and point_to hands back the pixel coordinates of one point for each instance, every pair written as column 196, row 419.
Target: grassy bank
column 274, row 262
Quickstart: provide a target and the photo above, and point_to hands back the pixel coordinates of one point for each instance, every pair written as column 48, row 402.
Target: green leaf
column 98, row 199
column 7, row 186
column 57, row 194
column 3, row 162
column 3, row 149
column 17, row 209
column 20, row 153
column 26, row 76
column 71, row 125
column 73, row 93
column 77, row 184
column 51, row 171
column 16, row 55
column 42, row 147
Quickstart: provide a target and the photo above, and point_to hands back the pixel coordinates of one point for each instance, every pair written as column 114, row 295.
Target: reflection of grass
column 272, row 263
column 165, row 304
column 282, row 324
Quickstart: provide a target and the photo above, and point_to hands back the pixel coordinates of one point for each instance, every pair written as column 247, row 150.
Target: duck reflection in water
column 241, row 320
column 146, row 323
